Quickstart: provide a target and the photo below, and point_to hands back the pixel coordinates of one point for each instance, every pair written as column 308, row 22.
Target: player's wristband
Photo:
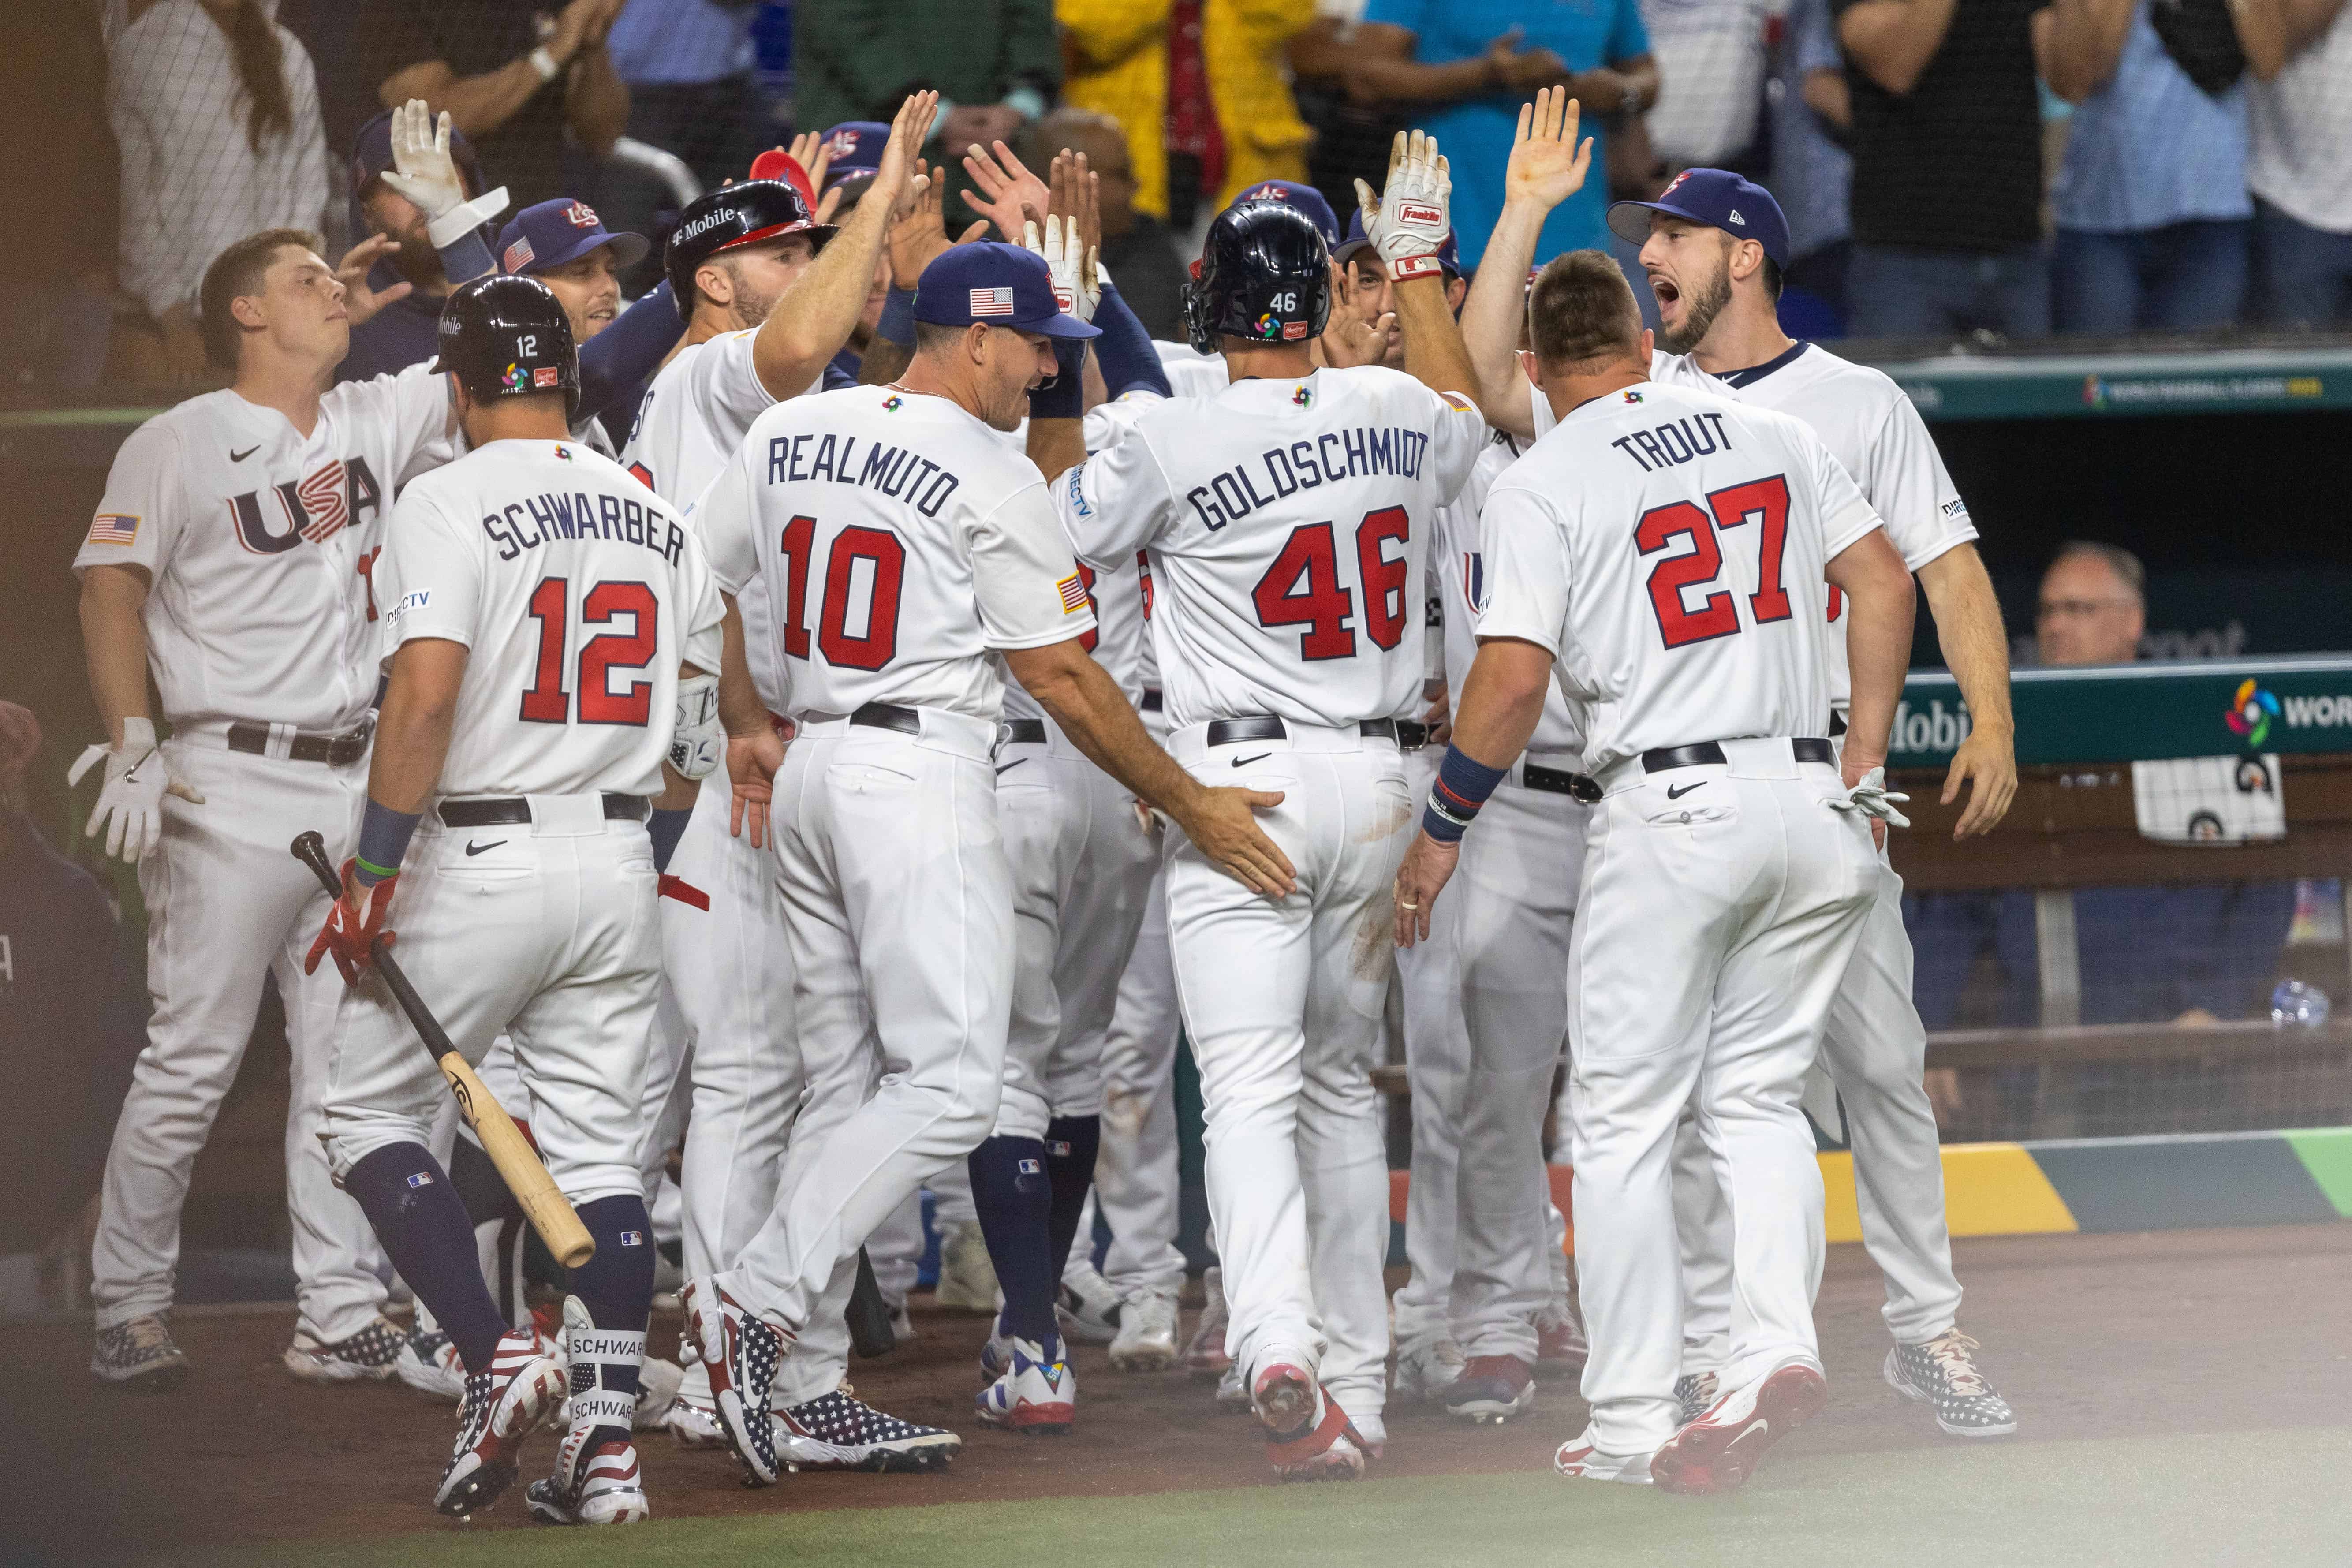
column 667, row 828
column 897, row 324
column 1064, row 397
column 1463, row 784
column 383, row 840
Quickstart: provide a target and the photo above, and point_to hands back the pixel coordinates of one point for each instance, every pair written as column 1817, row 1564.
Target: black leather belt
column 1152, row 700
column 1808, row 749
column 337, row 750
column 1560, row 781
column 889, row 716
column 490, row 811
column 1021, row 733
column 1410, row 734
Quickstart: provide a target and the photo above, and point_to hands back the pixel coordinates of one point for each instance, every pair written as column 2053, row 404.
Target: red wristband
column 1410, row 266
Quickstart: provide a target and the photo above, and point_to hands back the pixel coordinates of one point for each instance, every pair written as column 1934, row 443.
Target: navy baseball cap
column 561, row 230
column 1303, row 197
column 854, row 150
column 997, row 285
column 372, row 155
column 1715, row 197
column 1449, row 255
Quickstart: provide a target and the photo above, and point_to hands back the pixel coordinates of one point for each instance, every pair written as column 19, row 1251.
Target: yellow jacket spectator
column 1226, row 60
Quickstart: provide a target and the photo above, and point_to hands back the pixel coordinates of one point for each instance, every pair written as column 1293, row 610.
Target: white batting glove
column 131, row 806
column 1412, row 218
column 1872, row 798
column 424, row 172
column 698, row 739
column 1077, row 288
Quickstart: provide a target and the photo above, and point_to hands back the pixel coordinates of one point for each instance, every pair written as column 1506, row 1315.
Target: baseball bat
column 518, row 1163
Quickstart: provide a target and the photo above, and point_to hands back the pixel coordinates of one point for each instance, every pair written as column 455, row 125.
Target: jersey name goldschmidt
column 1668, row 547
column 900, row 543
column 578, row 595
column 1288, row 524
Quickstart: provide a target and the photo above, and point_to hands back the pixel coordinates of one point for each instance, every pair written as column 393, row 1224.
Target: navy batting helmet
column 1265, row 274
column 732, row 216
column 506, row 335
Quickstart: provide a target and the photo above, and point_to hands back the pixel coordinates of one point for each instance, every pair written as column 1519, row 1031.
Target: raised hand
column 422, row 169
column 894, row 178
column 1411, row 219
column 360, row 301
column 1547, row 164
column 1008, row 194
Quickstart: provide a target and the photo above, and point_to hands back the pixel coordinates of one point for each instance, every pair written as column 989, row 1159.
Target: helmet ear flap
column 1199, row 329
column 1319, row 305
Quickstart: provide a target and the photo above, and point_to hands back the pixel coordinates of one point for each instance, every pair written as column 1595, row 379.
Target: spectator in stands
column 2150, row 200
column 997, row 64
column 1711, row 58
column 2094, row 605
column 73, row 1019
column 1200, row 86
column 215, row 110
column 1480, row 60
column 2301, row 168
column 403, row 332
column 1811, row 170
column 1352, row 135
column 57, row 305
column 689, row 67
column 513, row 86
column 1139, row 249
column 1946, row 144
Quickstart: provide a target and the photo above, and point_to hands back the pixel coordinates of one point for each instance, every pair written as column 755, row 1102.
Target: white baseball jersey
column 1668, row 546
column 1460, row 573
column 578, row 595
column 1289, row 523
column 900, row 541
column 1190, row 373
column 1869, row 427
column 694, row 416
column 259, row 541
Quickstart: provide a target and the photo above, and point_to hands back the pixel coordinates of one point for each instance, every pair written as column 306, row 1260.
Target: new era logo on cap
column 1737, row 219
column 992, row 301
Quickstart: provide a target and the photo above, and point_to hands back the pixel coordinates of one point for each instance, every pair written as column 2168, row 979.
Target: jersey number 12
column 546, row 701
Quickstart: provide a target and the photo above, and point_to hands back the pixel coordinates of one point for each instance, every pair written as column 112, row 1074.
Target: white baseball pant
column 544, row 930
column 1283, row 1005
column 898, row 903
column 1137, row 1169
column 226, row 905
column 1875, row 1050
column 1486, row 1016
column 1711, row 935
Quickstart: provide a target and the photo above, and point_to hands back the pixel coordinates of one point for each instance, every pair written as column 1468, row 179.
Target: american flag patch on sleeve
column 992, row 301
column 113, row 527
column 1073, row 589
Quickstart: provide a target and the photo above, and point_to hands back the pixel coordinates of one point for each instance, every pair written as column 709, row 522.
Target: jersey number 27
column 1764, row 501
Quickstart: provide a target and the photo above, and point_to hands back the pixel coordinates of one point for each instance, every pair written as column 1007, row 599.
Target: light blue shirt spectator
column 1475, row 134
column 676, row 41
column 2149, row 148
column 1809, row 171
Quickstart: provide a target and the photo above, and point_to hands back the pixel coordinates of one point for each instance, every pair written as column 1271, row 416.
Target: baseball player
column 230, row 556
column 910, row 556
column 1288, row 521
column 1664, row 553
column 547, row 625
column 761, row 1106
column 1714, row 247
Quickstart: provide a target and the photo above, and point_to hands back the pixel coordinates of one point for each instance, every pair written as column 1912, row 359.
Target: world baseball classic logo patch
column 1073, row 589
column 992, row 301
column 114, row 528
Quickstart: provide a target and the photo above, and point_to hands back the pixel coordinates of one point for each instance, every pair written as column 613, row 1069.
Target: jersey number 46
column 1302, row 588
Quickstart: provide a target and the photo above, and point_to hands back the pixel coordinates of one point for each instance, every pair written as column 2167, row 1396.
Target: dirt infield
column 2091, row 1336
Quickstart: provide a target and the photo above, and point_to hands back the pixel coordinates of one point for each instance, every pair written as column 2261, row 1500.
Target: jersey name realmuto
column 1288, row 524
column 260, row 544
column 577, row 594
column 1872, row 430
column 1668, row 546
column 901, row 544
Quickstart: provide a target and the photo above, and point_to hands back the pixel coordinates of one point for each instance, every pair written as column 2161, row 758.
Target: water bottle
column 2297, row 1002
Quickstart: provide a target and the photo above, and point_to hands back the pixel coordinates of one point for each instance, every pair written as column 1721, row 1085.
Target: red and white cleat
column 1718, row 1452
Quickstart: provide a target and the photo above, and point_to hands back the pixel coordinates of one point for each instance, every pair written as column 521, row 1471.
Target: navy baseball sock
column 1014, row 1200
column 1071, row 1144
column 429, row 1237
column 616, row 1286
